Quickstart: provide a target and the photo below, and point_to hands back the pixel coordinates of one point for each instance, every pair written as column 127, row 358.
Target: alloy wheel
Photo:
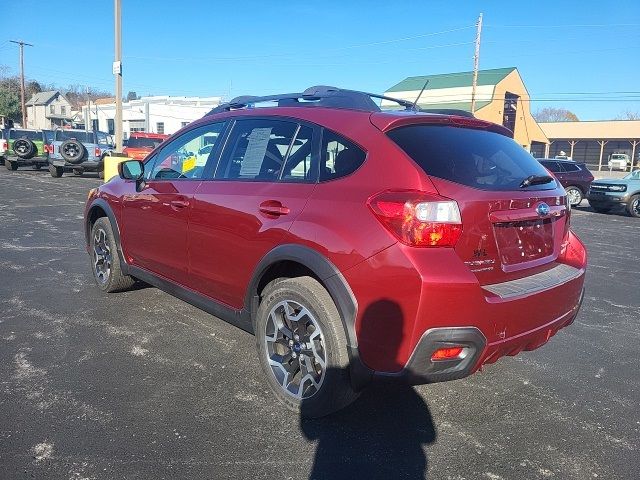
column 101, row 256
column 295, row 349
column 574, row 197
column 635, row 206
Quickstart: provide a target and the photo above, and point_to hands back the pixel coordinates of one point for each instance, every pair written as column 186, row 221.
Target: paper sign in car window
column 256, row 149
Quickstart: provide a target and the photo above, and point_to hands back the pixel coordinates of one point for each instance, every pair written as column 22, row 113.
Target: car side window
column 339, row 156
column 570, row 167
column 552, row 166
column 256, row 150
column 300, row 165
column 186, row 156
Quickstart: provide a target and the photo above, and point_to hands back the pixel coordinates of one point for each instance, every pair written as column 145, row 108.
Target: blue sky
column 580, row 55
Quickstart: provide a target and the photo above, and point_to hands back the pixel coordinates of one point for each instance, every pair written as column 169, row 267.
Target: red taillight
column 418, row 219
column 449, row 353
column 98, row 152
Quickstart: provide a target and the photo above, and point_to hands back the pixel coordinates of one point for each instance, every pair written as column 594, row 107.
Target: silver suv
column 79, row 151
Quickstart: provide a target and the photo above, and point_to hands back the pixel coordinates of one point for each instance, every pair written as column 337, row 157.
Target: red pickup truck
column 140, row 144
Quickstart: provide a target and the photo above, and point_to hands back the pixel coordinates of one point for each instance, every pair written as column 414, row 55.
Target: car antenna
column 420, row 94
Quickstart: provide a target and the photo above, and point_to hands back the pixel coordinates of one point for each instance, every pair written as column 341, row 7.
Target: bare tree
column 550, row 114
column 629, row 115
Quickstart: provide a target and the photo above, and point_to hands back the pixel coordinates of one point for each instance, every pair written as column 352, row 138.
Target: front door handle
column 273, row 208
column 179, row 204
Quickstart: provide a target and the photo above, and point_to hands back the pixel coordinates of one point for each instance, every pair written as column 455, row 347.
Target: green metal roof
column 455, row 105
column 451, row 80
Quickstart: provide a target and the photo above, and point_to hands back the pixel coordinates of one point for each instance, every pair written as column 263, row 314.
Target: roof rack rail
column 316, row 96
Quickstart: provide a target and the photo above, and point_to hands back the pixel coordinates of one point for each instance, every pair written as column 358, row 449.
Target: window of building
column 341, row 157
column 510, row 110
column 160, row 127
column 258, row 149
column 52, row 109
column 95, row 125
column 186, row 156
column 136, row 126
column 63, row 110
column 111, row 126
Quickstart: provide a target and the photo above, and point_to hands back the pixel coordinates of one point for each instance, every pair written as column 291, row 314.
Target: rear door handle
column 179, row 204
column 273, row 207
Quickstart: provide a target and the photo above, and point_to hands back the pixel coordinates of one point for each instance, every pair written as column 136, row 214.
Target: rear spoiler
column 389, row 121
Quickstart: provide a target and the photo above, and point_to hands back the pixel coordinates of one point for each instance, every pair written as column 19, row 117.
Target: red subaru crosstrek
column 356, row 243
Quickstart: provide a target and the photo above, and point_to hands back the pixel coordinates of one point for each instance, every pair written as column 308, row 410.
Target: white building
column 158, row 114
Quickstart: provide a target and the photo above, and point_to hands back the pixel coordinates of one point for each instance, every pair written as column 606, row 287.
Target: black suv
column 575, row 177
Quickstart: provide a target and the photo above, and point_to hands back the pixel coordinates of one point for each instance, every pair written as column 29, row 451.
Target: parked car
column 25, row 147
column 79, row 151
column 616, row 193
column 140, row 144
column 357, row 244
column 574, row 177
column 3, row 146
column 619, row 161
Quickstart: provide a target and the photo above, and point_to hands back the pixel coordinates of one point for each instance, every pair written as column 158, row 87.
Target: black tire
column 73, row 151
column 25, row 148
column 574, row 195
column 56, row 172
column 633, row 206
column 335, row 391
column 2, row 159
column 11, row 165
column 105, row 261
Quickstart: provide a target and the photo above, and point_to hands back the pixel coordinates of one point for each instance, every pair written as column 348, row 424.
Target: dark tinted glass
column 552, row 166
column 83, row 137
column 299, row 166
column 30, row 134
column 476, row 158
column 570, row 167
column 341, row 157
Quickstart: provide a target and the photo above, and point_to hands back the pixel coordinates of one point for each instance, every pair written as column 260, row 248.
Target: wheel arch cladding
column 291, row 260
column 99, row 209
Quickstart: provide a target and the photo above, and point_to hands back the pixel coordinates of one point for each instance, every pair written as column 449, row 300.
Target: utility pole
column 22, row 101
column 117, row 71
column 476, row 60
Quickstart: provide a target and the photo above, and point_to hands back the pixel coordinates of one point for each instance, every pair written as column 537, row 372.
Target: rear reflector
column 418, row 219
column 449, row 353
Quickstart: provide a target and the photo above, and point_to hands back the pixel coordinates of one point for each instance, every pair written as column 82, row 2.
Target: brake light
column 448, row 353
column 418, row 219
column 98, row 152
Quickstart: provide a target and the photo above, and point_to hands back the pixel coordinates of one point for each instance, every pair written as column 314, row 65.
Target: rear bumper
column 85, row 165
column 27, row 161
column 477, row 352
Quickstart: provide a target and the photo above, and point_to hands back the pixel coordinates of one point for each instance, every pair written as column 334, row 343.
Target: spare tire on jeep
column 25, row 148
column 73, row 151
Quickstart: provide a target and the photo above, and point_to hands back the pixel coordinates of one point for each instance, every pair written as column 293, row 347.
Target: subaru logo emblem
column 543, row 209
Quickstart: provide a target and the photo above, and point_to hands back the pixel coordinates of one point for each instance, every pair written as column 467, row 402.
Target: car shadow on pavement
column 382, row 434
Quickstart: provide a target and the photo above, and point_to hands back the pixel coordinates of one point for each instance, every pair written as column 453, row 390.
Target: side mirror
column 131, row 170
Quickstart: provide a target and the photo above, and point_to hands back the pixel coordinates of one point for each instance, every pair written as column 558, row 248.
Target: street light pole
column 117, row 71
column 22, row 92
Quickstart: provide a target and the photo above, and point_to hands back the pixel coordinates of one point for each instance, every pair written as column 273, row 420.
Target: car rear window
column 30, row 134
column 472, row 157
column 83, row 137
column 135, row 142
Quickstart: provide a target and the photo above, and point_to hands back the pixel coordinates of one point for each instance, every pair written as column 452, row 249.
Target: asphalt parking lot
column 140, row 385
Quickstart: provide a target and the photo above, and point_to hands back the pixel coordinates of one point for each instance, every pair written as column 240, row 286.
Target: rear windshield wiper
column 535, row 180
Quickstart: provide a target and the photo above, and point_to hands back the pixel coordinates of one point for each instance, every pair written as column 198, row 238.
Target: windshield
column 476, row 158
column 81, row 136
column 635, row 175
column 138, row 142
column 618, row 157
column 30, row 134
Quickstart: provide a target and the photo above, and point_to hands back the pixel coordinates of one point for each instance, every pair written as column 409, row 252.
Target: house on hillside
column 501, row 97
column 48, row 110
